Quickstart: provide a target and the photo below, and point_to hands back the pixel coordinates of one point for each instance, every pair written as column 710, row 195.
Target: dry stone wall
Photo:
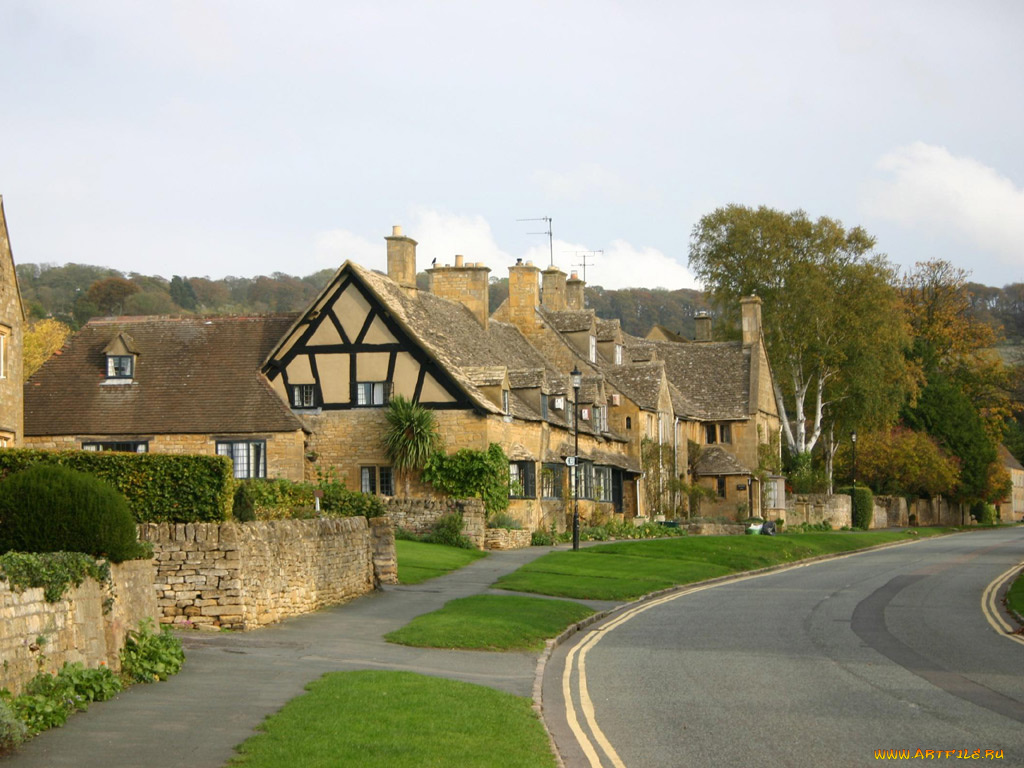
column 818, row 507
column 247, row 575
column 507, row 538
column 419, row 515
column 36, row 635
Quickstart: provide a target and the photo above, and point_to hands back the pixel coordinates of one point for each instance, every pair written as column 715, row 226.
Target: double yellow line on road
column 990, row 606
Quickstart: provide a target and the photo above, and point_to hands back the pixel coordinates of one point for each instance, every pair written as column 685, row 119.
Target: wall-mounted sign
column 741, row 486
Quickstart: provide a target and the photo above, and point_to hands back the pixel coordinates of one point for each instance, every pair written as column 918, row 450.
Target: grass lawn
column 418, row 561
column 1015, row 595
column 626, row 570
column 379, row 719
column 491, row 623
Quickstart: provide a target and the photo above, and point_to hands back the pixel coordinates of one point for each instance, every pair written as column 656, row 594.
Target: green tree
column 182, row 293
column 946, row 413
column 832, row 320
column 901, row 462
column 411, row 436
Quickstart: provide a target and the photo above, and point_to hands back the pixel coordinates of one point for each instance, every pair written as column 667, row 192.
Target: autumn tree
column 109, row 295
column 42, row 339
column 902, row 462
column 833, row 322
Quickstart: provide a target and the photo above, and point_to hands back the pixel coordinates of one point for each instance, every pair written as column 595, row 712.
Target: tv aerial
column 551, row 247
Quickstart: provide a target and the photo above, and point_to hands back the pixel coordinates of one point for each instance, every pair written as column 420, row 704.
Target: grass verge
column 627, row 570
column 418, row 562
column 379, row 719
column 1015, row 595
column 491, row 623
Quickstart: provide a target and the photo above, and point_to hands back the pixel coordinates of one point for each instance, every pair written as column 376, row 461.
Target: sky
column 245, row 137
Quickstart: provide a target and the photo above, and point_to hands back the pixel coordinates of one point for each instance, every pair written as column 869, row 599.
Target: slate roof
column 715, row 460
column 713, row 376
column 192, row 375
column 607, row 330
column 569, row 321
column 1008, row 459
column 640, row 382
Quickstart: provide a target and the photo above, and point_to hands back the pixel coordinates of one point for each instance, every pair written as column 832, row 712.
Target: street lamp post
column 577, row 379
column 853, row 440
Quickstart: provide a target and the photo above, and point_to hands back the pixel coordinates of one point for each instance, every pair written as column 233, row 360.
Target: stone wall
column 716, row 529
column 889, row 512
column 247, row 575
column 507, row 538
column 419, row 515
column 939, row 512
column 36, row 635
column 817, row 507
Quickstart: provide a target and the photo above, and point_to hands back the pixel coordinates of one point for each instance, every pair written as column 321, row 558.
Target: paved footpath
column 232, row 680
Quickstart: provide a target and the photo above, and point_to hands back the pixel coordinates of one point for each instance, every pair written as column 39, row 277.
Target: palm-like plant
column 411, row 436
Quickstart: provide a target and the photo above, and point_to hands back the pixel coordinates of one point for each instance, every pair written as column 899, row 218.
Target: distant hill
column 73, row 293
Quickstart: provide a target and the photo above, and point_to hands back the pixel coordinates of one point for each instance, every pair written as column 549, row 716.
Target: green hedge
column 160, row 488
column 276, row 499
column 863, row 506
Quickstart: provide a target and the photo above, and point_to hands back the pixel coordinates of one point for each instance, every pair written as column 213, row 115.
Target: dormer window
column 120, row 366
column 618, row 354
column 506, row 405
column 121, row 353
column 593, row 349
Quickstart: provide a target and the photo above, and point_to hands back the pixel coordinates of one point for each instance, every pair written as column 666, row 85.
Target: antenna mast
column 551, row 247
column 583, row 255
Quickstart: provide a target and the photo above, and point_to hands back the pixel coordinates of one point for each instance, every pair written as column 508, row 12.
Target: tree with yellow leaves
column 42, row 339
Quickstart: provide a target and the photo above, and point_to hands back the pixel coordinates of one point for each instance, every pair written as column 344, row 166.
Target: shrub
column 541, row 538
column 985, row 514
column 48, row 700
column 471, row 474
column 50, row 508
column 448, row 531
column 159, row 487
column 503, row 520
column 149, row 656
column 862, row 506
column 265, row 499
column 12, row 730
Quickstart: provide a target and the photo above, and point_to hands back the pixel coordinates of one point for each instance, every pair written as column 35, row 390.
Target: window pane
column 378, row 393
column 368, row 479
column 387, row 485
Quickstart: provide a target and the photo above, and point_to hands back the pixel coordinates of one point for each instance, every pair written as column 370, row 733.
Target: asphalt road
column 816, row 665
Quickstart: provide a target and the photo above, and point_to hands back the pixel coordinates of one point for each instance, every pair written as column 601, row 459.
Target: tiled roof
column 1008, row 459
column 715, row 460
column 192, row 375
column 570, row 321
column 640, row 382
column 713, row 376
column 607, row 330
column 449, row 332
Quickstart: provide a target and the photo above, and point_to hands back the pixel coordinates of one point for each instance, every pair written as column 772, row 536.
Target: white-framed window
column 551, row 480
column 725, row 433
column 506, row 405
column 618, row 354
column 377, row 480
column 372, row 393
column 120, row 366
column 124, row 446
column 593, row 349
column 603, row 483
column 303, row 396
column 249, row 457
column 601, row 418
column 522, row 483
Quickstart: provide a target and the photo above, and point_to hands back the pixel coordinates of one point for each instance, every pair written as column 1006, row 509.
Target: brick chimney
column 523, row 295
column 702, row 322
column 574, row 292
column 750, row 307
column 402, row 258
column 465, row 283
column 553, row 289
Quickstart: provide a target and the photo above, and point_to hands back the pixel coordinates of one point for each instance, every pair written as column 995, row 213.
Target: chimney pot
column 458, row 260
column 396, row 230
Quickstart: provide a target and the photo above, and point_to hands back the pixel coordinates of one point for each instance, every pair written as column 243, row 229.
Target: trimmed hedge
column 160, row 488
column 862, row 506
column 271, row 499
column 50, row 508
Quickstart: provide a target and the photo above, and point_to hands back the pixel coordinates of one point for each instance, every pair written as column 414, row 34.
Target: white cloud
column 442, row 235
column 927, row 187
column 333, row 247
